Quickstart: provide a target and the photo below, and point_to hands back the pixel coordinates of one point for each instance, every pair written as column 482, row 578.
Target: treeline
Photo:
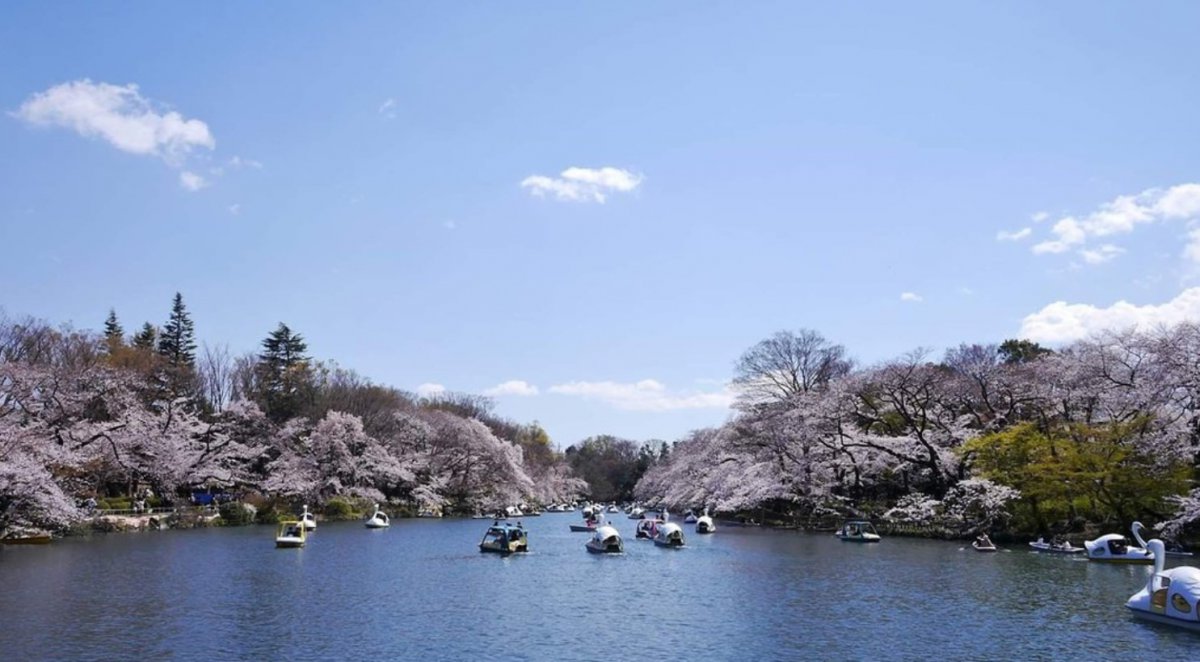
column 1012, row 436
column 94, row 415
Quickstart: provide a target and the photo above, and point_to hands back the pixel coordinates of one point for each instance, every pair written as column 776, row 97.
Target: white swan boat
column 1115, row 548
column 689, row 517
column 1169, row 596
column 637, row 513
column 705, row 524
column 668, row 534
column 606, row 540
column 858, row 531
column 291, row 534
column 308, row 520
column 378, row 520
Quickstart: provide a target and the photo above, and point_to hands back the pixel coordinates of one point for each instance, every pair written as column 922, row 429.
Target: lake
column 422, row 590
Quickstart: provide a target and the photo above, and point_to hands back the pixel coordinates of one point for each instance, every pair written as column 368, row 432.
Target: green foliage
column 285, row 381
column 146, row 338
column 235, row 513
column 114, row 334
column 177, row 343
column 1021, row 351
column 610, row 465
column 342, row 508
column 1096, row 472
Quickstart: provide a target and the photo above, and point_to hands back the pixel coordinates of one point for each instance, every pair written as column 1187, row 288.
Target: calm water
column 421, row 590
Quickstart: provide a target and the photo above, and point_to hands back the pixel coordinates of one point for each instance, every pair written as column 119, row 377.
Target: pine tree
column 114, row 335
column 177, row 349
column 283, row 373
column 112, row 328
column 177, row 343
column 146, row 338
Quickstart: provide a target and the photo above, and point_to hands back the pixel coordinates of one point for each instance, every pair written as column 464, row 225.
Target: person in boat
column 983, row 540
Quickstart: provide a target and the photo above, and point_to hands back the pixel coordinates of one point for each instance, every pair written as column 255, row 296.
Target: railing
column 160, row 510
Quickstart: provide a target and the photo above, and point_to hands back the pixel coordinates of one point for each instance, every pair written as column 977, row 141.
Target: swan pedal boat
column 291, row 534
column 704, row 524
column 504, row 539
column 1115, row 548
column 1170, row 596
column 668, row 534
column 606, row 540
column 1051, row 548
column 379, row 520
column 308, row 520
column 858, row 531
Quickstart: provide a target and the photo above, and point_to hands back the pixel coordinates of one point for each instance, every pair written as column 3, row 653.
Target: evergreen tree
column 177, row 343
column 146, row 338
column 284, row 379
column 177, row 349
column 112, row 328
column 114, row 335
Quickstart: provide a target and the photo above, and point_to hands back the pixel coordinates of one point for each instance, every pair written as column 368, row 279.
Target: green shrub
column 341, row 508
column 236, row 513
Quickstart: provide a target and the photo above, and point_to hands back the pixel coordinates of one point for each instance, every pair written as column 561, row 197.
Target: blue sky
column 773, row 166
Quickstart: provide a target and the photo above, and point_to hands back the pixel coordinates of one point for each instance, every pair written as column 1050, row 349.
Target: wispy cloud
column 1120, row 216
column 1100, row 255
column 1039, row 216
column 236, row 162
column 450, row 225
column 1062, row 322
column 191, row 181
column 235, row 209
column 515, row 387
column 583, row 184
column 387, row 109
column 645, row 395
column 911, row 297
column 1014, row 236
column 119, row 115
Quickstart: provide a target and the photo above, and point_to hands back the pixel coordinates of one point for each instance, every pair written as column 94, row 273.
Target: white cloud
column 1069, row 234
column 1014, row 236
column 583, row 184
column 450, row 225
column 966, row 291
column 427, row 389
column 1192, row 250
column 1122, row 216
column 119, row 115
column 235, row 209
column 388, row 109
column 239, row 162
column 911, row 296
column 1039, row 216
column 1062, row 322
column 191, row 181
column 1101, row 255
column 513, row 387
column 645, row 395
